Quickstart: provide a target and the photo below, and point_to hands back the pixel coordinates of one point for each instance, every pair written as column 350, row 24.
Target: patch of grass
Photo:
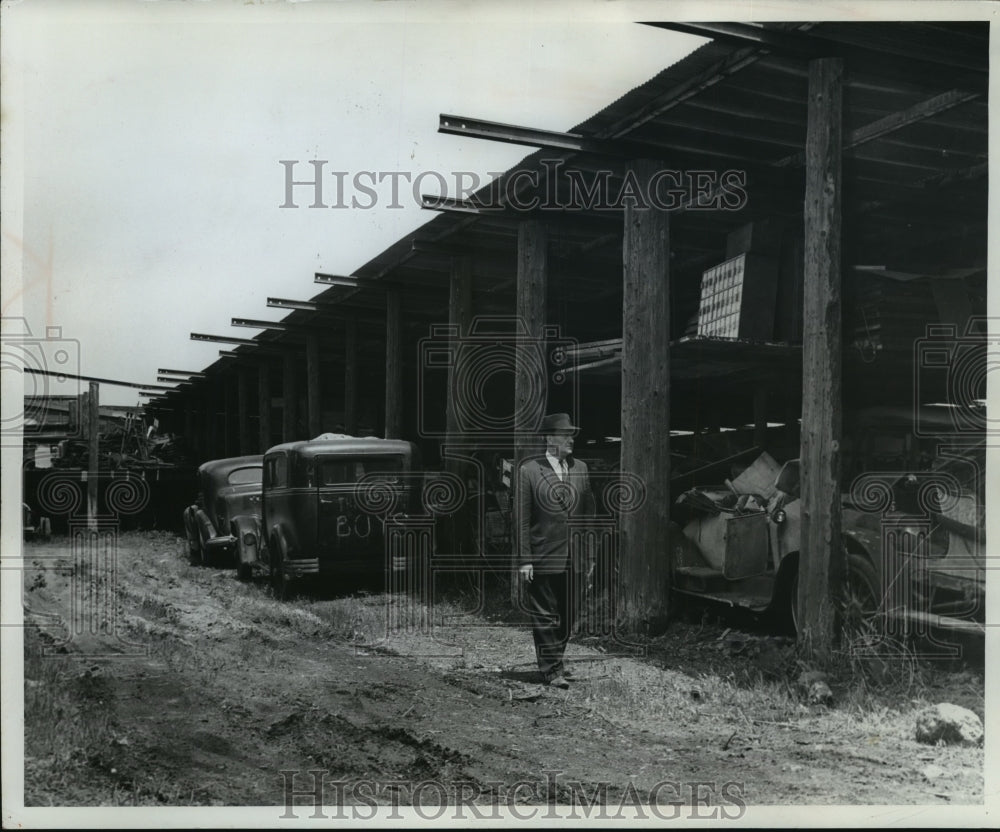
column 68, row 720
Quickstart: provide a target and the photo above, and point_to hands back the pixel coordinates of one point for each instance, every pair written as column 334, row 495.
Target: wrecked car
column 911, row 547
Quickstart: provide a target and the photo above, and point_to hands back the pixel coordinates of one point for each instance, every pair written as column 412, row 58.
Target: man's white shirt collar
column 557, row 466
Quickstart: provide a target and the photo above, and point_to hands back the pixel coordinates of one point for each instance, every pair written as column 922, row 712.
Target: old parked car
column 327, row 503
column 228, row 503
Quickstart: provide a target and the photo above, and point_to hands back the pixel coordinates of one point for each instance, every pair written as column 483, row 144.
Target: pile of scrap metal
column 124, row 444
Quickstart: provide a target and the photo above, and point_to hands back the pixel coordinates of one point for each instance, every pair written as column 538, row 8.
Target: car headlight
column 249, row 538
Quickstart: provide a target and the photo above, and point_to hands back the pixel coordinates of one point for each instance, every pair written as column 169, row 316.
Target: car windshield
column 341, row 470
column 242, row 476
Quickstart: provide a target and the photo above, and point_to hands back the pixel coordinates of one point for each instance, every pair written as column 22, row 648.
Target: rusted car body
column 228, row 503
column 911, row 545
column 327, row 504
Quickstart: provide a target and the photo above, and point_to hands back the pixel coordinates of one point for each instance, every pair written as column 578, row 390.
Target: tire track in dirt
column 235, row 688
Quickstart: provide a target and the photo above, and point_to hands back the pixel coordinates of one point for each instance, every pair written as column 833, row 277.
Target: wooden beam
column 820, row 567
column 288, row 399
column 243, row 410
column 645, row 414
column 459, row 317
column 893, row 122
column 264, row 406
column 313, row 391
column 93, row 452
column 189, row 420
column 211, row 420
column 393, row 367
column 351, row 377
column 230, row 440
column 530, row 378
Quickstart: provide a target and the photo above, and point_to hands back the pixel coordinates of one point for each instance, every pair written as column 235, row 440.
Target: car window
column 346, row 470
column 276, row 471
column 241, row 476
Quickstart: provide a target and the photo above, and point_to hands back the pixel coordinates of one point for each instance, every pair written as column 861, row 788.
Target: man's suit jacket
column 545, row 505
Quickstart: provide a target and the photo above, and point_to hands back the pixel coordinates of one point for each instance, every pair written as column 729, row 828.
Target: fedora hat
column 557, row 423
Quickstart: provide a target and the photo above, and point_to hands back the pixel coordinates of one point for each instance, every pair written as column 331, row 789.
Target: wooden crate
column 738, row 298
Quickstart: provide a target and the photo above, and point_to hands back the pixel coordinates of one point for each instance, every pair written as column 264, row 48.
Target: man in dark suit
column 551, row 489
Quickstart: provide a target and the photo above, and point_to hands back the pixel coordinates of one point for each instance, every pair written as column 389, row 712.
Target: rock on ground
column 950, row 723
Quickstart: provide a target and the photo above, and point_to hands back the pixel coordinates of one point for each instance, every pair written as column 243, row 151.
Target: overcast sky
column 153, row 134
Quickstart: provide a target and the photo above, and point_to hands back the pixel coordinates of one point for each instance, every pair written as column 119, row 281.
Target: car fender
column 247, row 533
column 279, row 540
column 206, row 529
column 865, row 542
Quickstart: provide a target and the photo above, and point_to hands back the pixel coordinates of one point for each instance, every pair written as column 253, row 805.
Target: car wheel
column 194, row 550
column 862, row 601
column 283, row 585
column 244, row 571
column 793, row 601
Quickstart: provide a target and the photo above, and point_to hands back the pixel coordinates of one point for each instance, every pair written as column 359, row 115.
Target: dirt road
column 197, row 689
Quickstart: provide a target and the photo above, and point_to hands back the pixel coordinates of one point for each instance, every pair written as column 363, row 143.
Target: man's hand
column 527, row 572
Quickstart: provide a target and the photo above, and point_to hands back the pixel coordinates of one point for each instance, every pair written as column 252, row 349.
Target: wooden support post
column 530, row 374
column 393, row 367
column 228, row 437
column 211, row 450
column 351, row 377
column 530, row 377
column 459, row 317
column 820, row 567
column 264, row 406
column 288, row 399
column 93, row 452
column 760, row 416
column 645, row 428
column 313, row 391
column 243, row 410
column 189, row 414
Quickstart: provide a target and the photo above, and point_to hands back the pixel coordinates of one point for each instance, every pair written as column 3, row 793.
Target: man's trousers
column 549, row 602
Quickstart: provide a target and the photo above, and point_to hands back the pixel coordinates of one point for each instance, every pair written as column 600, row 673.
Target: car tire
column 244, row 571
column 194, row 551
column 861, row 602
column 282, row 585
column 793, row 601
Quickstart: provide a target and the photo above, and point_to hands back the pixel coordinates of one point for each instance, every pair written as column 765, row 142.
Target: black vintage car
column 327, row 505
column 228, row 503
